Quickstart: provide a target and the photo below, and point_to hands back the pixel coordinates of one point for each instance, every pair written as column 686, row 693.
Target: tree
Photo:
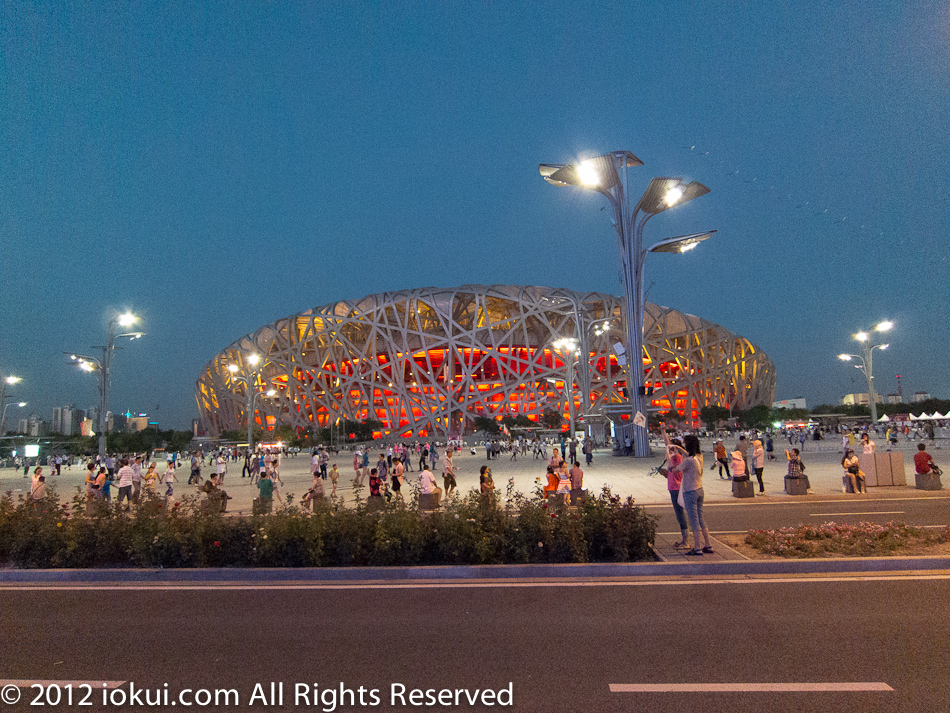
column 755, row 417
column 551, row 419
column 712, row 415
column 486, row 425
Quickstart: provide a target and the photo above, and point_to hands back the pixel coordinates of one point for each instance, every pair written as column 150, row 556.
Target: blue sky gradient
column 215, row 167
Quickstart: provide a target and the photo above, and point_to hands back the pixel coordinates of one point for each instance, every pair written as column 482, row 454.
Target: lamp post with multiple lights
column 6, row 381
column 567, row 348
column 251, row 380
column 607, row 175
column 867, row 361
column 3, row 418
column 103, row 368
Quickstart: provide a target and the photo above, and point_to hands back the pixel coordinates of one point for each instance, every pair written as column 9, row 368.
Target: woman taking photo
column 691, row 489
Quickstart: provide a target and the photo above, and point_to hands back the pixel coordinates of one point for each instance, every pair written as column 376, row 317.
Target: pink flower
column 217, row 543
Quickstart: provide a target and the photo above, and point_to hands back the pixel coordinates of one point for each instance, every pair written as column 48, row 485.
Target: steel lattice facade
column 426, row 361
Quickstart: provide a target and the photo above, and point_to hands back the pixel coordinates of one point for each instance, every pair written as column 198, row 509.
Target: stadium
column 426, row 362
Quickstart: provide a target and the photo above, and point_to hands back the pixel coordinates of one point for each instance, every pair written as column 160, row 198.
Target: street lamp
column 6, row 381
column 568, row 349
column 103, row 368
column 250, row 379
column 3, row 418
column 867, row 362
column 607, row 175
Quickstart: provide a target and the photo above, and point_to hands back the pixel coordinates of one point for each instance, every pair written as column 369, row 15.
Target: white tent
column 938, row 417
column 883, row 419
column 913, row 417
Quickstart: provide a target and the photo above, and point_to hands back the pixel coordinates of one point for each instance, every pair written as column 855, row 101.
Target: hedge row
column 474, row 529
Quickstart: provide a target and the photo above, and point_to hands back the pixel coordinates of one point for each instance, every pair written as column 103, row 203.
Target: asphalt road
column 739, row 516
column 559, row 645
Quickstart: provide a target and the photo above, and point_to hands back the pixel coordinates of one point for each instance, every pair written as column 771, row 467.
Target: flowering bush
column 864, row 539
column 475, row 528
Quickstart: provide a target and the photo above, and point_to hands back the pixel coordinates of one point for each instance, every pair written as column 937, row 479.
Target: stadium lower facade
column 427, row 362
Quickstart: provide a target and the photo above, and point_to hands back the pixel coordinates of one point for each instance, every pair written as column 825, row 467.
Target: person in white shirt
column 222, row 466
column 427, row 484
column 125, row 476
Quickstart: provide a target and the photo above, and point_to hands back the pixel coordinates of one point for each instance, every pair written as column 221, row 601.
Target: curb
column 485, row 572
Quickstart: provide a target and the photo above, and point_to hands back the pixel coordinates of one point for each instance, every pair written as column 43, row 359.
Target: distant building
column 921, row 396
column 860, row 400
column 136, row 423
column 895, row 399
column 790, row 403
column 66, row 420
column 34, row 426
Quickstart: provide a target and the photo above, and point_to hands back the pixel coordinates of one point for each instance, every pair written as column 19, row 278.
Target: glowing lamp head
column 233, row 368
column 271, row 392
column 687, row 247
column 862, row 336
column 884, row 326
column 883, row 346
column 673, row 195
column 844, row 357
column 587, row 172
column 13, row 380
column 22, row 404
column 126, row 320
column 86, row 366
column 253, row 359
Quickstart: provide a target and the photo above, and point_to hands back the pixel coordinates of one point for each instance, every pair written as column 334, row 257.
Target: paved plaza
column 623, row 475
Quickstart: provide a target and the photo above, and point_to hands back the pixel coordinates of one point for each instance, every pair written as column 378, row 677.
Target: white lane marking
column 685, row 580
column 748, row 687
column 27, row 682
column 727, row 504
column 869, row 512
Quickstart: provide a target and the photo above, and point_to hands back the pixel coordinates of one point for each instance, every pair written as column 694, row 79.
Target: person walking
column 334, row 479
column 448, row 473
column 588, row 450
column 720, row 451
column 692, row 489
column 169, row 479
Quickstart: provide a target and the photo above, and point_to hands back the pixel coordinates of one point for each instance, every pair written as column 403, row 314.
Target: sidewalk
column 627, row 477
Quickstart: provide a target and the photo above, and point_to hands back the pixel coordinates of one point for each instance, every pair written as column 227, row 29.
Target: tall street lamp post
column 4, row 382
column 250, row 379
column 103, row 368
column 3, row 418
column 567, row 349
column 607, row 175
column 867, row 361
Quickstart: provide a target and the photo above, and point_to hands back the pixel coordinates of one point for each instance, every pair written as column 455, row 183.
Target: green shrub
column 470, row 529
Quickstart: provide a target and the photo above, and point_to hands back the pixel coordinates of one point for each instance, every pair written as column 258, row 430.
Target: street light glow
column 273, row 392
column 884, row 326
column 587, row 172
column 253, row 359
column 862, row 336
column 883, row 346
column 233, row 368
column 126, row 320
column 14, row 380
column 687, row 246
column 565, row 344
column 673, row 195
column 844, row 357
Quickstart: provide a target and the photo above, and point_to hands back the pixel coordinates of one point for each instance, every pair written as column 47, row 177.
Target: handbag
column 679, row 500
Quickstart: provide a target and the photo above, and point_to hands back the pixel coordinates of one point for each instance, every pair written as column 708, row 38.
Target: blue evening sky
column 217, row 166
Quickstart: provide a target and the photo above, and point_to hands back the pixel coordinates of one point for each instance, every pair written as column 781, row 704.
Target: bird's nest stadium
column 426, row 362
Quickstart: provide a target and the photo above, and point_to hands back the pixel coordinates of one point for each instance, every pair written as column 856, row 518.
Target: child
column 334, row 477
column 169, row 478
